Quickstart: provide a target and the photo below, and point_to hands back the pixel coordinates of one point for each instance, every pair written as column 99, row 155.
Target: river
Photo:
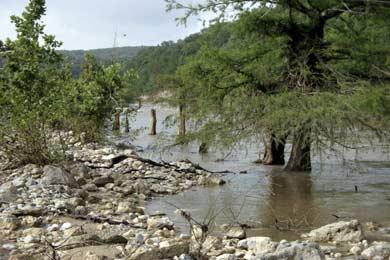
column 274, row 203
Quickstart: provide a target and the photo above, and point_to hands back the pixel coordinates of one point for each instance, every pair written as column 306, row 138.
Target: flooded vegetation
column 271, row 201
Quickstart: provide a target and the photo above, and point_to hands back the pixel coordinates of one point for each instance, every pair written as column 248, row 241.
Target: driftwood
column 96, row 219
column 164, row 164
column 197, row 167
column 37, row 212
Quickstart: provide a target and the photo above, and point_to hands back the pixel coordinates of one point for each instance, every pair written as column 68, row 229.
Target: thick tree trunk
column 300, row 152
column 153, row 122
column 182, row 122
column 116, row 123
column 203, row 148
column 274, row 152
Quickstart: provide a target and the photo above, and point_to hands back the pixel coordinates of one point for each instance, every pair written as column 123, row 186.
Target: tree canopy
column 297, row 68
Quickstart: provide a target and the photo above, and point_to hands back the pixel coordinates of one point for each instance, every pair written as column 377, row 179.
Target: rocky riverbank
column 93, row 208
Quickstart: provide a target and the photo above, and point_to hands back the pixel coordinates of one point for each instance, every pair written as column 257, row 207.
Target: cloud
column 89, row 24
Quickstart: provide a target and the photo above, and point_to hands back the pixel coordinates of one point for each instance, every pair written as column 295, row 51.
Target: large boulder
column 211, row 180
column 379, row 250
column 53, row 175
column 9, row 222
column 258, row 245
column 124, row 207
column 159, row 223
column 343, row 231
column 8, row 192
column 236, row 232
column 101, row 181
column 294, row 251
column 172, row 249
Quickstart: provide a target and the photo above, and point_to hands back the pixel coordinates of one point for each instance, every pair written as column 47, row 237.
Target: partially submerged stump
column 116, row 123
column 127, row 124
column 274, row 151
column 181, row 131
column 153, row 122
column 203, row 148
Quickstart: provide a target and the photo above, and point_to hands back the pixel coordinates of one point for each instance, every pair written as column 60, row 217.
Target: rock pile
column 103, row 188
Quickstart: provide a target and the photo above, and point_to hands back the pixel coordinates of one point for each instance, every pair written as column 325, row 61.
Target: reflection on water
column 275, row 203
column 290, row 203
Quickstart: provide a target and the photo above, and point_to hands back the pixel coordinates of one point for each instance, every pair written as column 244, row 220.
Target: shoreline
column 91, row 208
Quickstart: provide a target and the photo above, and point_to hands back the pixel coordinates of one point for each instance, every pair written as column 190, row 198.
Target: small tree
column 31, row 84
column 93, row 98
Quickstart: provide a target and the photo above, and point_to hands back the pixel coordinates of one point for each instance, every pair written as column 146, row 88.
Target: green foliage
column 99, row 90
column 361, row 45
column 153, row 63
column 31, row 80
column 38, row 94
column 288, row 66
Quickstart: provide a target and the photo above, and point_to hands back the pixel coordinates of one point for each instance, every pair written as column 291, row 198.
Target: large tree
column 312, row 48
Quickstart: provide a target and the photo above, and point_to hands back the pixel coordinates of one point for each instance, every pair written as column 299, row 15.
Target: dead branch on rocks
column 96, row 219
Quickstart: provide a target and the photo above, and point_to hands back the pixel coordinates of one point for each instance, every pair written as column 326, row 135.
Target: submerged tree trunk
column 127, row 124
column 153, row 122
column 181, row 131
column 203, row 148
column 116, row 123
column 300, row 152
column 274, row 152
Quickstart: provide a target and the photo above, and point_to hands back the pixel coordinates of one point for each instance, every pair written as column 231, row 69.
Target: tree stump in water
column 203, row 148
column 153, row 122
column 300, row 159
column 274, row 151
column 116, row 123
column 181, row 131
column 127, row 125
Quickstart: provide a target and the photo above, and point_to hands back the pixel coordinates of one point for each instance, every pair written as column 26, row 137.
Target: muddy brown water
column 274, row 203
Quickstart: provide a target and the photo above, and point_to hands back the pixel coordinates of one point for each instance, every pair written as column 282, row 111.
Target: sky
column 91, row 24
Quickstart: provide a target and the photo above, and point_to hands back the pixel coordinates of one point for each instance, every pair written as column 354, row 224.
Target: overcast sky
column 90, row 24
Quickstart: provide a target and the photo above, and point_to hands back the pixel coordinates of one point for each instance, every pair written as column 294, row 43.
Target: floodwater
column 272, row 202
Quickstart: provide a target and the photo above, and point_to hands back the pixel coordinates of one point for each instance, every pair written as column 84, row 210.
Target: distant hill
column 153, row 61
column 120, row 54
column 164, row 59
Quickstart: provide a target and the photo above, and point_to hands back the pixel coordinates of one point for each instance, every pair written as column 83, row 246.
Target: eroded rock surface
column 342, row 231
